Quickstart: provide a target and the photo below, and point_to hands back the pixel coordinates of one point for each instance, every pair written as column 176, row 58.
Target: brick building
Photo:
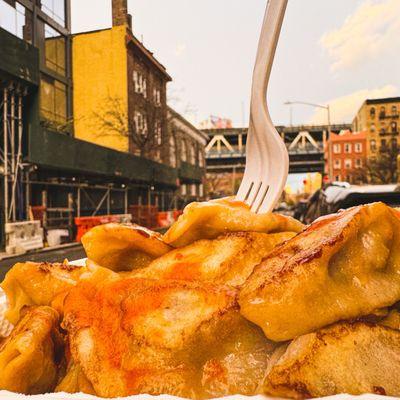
column 379, row 118
column 348, row 155
column 120, row 90
column 187, row 153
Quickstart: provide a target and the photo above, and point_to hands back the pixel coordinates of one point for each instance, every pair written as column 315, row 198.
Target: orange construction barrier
column 85, row 224
column 165, row 219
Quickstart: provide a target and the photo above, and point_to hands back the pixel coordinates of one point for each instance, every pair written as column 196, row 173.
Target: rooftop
column 131, row 38
column 383, row 100
column 348, row 135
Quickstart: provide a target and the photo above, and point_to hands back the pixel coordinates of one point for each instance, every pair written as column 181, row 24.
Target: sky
column 336, row 52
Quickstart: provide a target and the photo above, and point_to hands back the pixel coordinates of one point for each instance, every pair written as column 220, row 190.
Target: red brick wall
column 348, row 156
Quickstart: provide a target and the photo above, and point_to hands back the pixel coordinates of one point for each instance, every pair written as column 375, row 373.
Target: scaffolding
column 11, row 153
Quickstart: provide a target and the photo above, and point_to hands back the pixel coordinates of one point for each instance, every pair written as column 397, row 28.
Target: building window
column 140, row 123
column 16, row 19
column 373, row 128
column 358, row 147
column 393, row 126
column 372, row 112
column 394, row 111
column 347, row 147
column 183, row 150
column 193, row 190
column 394, row 144
column 337, row 164
column 372, row 145
column 54, row 50
column 54, row 9
column 157, row 140
column 158, row 133
column 382, row 112
column 201, row 159
column 201, row 190
column 157, row 97
column 338, row 178
column 383, row 143
column 348, row 178
column 358, row 163
column 192, row 153
column 140, row 83
column 172, row 151
column 337, row 148
column 183, row 189
column 53, row 101
column 348, row 163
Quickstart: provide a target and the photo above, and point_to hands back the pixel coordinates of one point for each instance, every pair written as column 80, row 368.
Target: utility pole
column 328, row 110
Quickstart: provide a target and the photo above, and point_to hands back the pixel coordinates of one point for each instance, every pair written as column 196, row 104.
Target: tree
column 213, row 184
column 113, row 119
column 382, row 169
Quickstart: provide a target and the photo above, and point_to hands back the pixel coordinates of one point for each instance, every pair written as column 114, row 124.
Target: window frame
column 337, row 148
column 348, row 163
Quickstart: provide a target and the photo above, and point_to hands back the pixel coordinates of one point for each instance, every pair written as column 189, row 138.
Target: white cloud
column 344, row 108
column 180, row 49
column 372, row 31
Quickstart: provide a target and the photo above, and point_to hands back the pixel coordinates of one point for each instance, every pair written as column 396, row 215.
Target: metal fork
column 267, row 159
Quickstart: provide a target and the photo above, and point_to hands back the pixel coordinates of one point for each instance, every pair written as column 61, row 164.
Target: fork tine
column 254, row 192
column 258, row 201
column 270, row 199
column 244, row 189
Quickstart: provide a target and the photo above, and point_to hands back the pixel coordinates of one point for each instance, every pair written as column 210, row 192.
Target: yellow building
column 119, row 96
column 99, row 74
column 380, row 119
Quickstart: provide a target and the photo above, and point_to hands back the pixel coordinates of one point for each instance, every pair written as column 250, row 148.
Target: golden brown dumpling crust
column 75, row 381
column 45, row 284
column 344, row 358
column 208, row 220
column 29, row 356
column 341, row 267
column 147, row 336
column 229, row 259
column 123, row 247
column 28, row 284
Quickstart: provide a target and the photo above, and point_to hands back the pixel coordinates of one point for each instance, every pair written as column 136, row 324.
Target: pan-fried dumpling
column 28, row 284
column 229, row 259
column 354, row 358
column 343, row 266
column 123, row 247
column 211, row 219
column 29, row 356
column 164, row 337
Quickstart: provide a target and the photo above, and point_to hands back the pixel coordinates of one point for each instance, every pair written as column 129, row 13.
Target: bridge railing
column 236, row 153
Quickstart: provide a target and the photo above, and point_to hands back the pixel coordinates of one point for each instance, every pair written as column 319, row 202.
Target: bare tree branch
column 112, row 119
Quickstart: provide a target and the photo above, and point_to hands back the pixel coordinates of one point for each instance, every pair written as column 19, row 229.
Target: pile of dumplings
column 226, row 302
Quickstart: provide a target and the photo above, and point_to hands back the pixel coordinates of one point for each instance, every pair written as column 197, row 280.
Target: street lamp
column 328, row 110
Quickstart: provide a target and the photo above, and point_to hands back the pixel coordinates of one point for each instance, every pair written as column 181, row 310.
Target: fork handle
column 271, row 28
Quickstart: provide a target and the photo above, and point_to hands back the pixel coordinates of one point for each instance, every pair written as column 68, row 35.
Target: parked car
column 341, row 195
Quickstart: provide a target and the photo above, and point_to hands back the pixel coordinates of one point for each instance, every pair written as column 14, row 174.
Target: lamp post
column 328, row 110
